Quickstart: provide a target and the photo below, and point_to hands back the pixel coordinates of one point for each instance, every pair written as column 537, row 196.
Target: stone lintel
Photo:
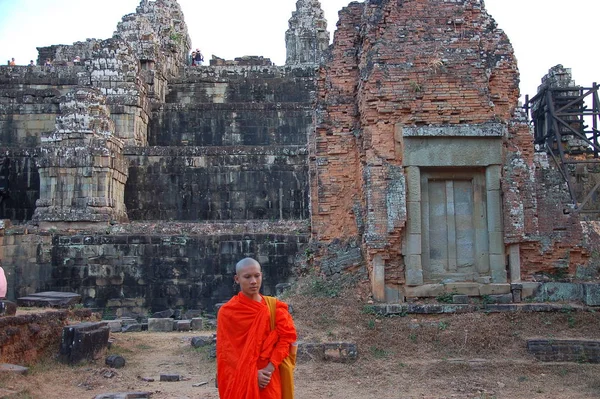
column 457, row 151
column 470, row 289
column 465, row 130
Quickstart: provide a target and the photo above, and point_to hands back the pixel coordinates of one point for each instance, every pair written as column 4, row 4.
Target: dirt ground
column 474, row 355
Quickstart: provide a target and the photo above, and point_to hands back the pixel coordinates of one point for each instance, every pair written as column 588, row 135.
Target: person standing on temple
column 198, row 58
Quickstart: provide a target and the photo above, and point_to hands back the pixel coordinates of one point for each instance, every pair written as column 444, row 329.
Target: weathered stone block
column 424, row 291
column 530, row 289
column 558, row 350
column 13, row 368
column 170, row 377
column 84, row 341
column 124, row 395
column 199, row 342
column 114, row 325
column 502, row 298
column 160, row 325
column 115, row 361
column 592, row 294
column 184, row 325
column 460, row 299
column 471, row 289
column 49, row 298
column 197, row 324
column 494, row 289
column 555, row 292
column 135, row 327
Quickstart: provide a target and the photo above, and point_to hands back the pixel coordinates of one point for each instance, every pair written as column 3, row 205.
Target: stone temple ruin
column 398, row 153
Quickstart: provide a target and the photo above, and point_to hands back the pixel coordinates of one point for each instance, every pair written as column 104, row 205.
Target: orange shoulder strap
column 272, row 304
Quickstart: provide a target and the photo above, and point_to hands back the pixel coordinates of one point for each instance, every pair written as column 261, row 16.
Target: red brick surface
column 413, row 63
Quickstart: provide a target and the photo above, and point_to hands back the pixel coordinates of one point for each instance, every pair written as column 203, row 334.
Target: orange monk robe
column 246, row 344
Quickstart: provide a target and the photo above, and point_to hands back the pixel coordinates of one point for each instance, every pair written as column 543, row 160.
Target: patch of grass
column 369, row 309
column 443, row 325
column 319, row 286
column 416, row 87
column 143, row 346
column 412, row 337
column 558, row 274
column 446, row 297
column 486, row 299
column 371, row 324
column 522, row 378
column 119, row 350
column 562, row 372
column 26, row 394
column 378, row 352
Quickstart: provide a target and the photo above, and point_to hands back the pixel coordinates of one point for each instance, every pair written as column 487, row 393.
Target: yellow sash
column 286, row 368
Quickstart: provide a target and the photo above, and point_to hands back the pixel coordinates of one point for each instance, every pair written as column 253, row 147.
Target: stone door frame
column 465, row 147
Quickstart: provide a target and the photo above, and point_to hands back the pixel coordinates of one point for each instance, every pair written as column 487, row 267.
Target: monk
column 248, row 352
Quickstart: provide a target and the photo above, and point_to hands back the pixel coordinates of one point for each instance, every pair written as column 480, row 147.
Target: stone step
column 224, row 150
column 239, row 105
column 49, row 299
column 565, row 350
column 437, row 308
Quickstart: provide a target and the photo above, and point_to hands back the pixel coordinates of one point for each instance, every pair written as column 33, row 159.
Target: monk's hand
column 264, row 375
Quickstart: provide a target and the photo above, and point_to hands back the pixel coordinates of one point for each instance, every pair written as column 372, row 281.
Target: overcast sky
column 543, row 32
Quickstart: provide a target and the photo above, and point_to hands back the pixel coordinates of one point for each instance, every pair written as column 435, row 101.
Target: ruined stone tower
column 398, row 153
column 307, row 37
column 422, row 165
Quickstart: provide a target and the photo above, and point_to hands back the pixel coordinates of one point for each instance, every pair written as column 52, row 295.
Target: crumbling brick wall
column 393, row 64
column 397, row 64
column 26, row 339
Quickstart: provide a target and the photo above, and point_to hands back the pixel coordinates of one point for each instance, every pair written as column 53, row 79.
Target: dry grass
column 478, row 356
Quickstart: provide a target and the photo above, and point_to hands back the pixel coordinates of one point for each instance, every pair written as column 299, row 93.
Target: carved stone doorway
column 455, row 244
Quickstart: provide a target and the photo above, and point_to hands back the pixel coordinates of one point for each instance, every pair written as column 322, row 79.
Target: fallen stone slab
column 49, row 299
column 160, row 325
column 565, row 350
column 554, row 292
column 124, row 395
column 83, row 341
column 131, row 328
column 184, row 325
column 114, row 325
column 428, row 308
column 432, row 308
column 115, row 361
column 13, row 368
column 126, row 321
column 199, row 342
column 197, row 324
column 170, row 377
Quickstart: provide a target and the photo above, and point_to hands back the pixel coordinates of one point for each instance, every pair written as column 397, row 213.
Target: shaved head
column 244, row 263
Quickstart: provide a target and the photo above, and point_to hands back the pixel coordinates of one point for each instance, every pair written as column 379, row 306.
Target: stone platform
column 49, row 299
